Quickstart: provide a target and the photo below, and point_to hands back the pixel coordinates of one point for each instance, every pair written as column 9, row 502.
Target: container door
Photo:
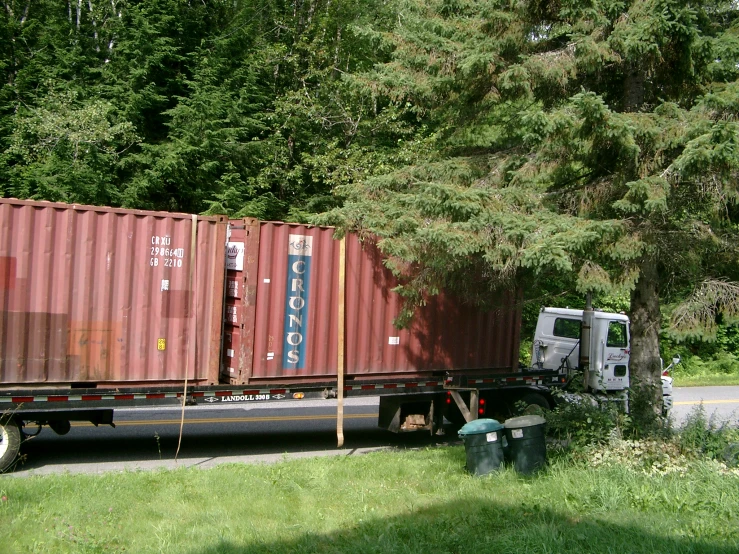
column 242, row 251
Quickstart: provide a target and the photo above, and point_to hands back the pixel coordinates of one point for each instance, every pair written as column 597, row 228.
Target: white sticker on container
column 492, row 437
column 270, row 355
column 165, row 284
column 231, row 314
column 266, row 280
column 230, row 370
column 235, row 256
column 517, row 433
column 230, row 353
column 232, row 289
column 394, row 340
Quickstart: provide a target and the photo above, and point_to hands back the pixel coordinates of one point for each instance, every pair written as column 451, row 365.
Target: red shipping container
column 282, row 314
column 101, row 296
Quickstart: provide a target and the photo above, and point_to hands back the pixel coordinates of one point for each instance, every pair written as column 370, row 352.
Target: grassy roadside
column 715, row 380
column 418, row 501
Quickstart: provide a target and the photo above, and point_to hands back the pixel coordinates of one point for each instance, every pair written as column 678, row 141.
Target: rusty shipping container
column 94, row 296
column 282, row 314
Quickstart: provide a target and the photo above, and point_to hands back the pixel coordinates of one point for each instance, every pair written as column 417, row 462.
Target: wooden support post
column 340, row 343
column 474, row 404
column 461, row 405
column 468, row 413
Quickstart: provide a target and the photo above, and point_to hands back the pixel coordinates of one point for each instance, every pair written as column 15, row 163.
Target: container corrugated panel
column 105, row 296
column 291, row 304
column 445, row 334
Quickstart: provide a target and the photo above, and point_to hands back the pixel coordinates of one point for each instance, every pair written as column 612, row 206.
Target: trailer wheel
column 10, row 442
column 535, row 402
column 60, row 427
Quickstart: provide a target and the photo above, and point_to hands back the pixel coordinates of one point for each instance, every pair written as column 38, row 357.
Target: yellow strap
column 340, row 341
column 193, row 308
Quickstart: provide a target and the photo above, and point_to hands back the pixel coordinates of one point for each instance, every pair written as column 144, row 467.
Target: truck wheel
column 61, row 427
column 10, row 442
column 535, row 402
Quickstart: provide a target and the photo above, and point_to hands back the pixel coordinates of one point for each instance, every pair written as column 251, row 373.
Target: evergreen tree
column 222, row 106
column 319, row 137
column 58, row 139
column 595, row 138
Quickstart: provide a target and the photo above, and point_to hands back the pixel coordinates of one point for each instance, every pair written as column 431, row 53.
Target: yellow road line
column 696, row 402
column 123, row 423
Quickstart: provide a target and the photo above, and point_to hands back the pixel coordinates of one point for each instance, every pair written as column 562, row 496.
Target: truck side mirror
column 676, row 359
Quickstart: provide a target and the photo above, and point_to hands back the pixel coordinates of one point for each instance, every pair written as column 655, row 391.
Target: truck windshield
column 617, row 335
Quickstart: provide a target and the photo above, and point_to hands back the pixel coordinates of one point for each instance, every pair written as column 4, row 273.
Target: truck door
column 612, row 356
column 557, row 337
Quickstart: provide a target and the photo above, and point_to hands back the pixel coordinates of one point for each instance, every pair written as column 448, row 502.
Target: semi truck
column 105, row 308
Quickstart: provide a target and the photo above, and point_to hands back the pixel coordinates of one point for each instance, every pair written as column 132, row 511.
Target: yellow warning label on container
column 161, row 344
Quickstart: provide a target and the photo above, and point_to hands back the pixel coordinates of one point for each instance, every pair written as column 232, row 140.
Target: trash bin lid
column 524, row 421
column 479, row 426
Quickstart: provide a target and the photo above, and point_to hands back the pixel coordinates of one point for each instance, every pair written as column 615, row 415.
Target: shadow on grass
column 486, row 526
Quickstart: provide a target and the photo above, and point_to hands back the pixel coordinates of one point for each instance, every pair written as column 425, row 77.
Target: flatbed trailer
column 27, row 404
column 405, row 404
column 21, row 401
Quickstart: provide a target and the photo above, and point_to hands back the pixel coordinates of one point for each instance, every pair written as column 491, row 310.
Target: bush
column 722, row 363
column 584, row 431
column 579, row 421
column 649, row 457
column 701, row 358
column 709, row 437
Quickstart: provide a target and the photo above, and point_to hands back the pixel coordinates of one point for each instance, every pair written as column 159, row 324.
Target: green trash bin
column 483, row 445
column 527, row 447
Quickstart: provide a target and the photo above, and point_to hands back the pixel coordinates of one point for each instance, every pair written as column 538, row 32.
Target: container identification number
column 162, row 253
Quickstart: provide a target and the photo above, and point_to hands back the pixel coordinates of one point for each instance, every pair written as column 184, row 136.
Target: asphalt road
column 720, row 402
column 147, row 438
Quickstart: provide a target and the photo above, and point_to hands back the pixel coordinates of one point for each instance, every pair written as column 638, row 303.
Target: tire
column 60, row 427
column 535, row 402
column 10, row 442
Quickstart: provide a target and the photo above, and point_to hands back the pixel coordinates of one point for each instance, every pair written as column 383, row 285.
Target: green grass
column 720, row 369
column 720, row 379
column 413, row 501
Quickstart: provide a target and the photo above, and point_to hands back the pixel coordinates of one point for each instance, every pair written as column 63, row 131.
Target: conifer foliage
column 590, row 137
column 217, row 106
column 487, row 143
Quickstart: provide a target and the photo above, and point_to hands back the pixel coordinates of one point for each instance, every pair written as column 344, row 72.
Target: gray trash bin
column 527, row 446
column 483, row 445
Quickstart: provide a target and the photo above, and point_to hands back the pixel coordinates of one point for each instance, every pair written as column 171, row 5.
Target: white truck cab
column 557, row 346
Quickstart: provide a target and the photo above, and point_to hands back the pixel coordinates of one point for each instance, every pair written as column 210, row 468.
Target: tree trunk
column 94, row 25
column 646, row 382
column 633, row 89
